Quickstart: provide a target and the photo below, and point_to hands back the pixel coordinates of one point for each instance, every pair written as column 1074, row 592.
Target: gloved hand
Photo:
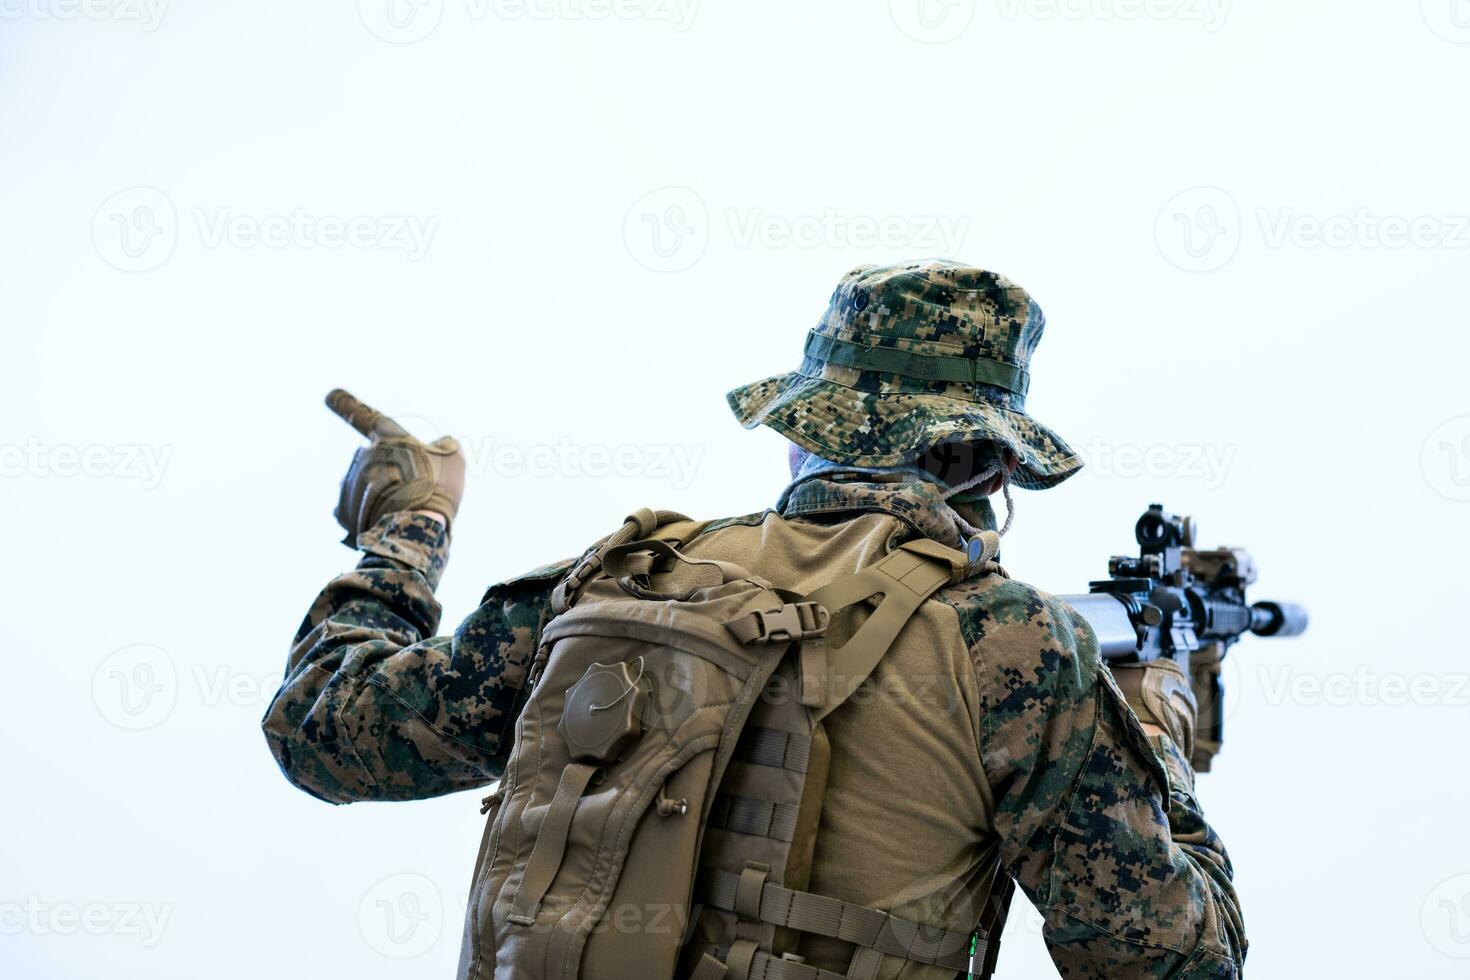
column 1161, row 695
column 395, row 471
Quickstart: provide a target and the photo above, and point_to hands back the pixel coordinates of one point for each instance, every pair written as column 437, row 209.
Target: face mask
column 973, row 465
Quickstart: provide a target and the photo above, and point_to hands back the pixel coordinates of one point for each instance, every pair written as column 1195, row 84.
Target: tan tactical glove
column 395, row 471
column 1160, row 694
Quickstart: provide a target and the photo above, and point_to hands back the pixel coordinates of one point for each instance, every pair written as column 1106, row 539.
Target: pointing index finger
column 365, row 419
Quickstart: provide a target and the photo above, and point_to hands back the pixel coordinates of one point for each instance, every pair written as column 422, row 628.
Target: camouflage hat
column 909, row 357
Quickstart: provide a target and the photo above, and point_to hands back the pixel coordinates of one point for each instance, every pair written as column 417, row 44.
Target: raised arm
column 374, row 705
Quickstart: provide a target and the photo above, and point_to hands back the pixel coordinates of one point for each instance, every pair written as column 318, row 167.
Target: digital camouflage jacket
column 990, row 734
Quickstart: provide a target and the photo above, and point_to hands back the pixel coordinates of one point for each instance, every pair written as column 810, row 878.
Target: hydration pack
column 659, row 811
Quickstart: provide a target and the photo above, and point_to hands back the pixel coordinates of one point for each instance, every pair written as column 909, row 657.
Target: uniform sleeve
column 1099, row 826
column 374, row 705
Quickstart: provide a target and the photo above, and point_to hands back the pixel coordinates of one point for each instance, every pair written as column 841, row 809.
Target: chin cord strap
column 989, row 473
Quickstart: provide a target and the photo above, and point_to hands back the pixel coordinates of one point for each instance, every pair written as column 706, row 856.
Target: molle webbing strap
column 760, row 818
column 708, row 968
column 992, row 924
column 865, row 964
column 551, row 843
column 920, row 367
column 762, row 966
column 866, row 927
column 771, row 747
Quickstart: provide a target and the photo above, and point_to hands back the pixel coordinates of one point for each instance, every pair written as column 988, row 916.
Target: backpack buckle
column 793, row 621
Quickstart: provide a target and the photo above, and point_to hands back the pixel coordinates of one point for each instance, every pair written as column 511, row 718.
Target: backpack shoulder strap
column 905, row 579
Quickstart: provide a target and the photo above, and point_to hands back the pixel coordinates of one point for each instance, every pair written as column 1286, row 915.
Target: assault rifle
column 1177, row 601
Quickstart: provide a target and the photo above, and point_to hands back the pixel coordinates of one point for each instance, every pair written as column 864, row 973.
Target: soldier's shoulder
column 996, row 599
column 1012, row 625
column 753, row 519
column 533, row 584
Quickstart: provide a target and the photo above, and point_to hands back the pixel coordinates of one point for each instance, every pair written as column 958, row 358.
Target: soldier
column 991, row 744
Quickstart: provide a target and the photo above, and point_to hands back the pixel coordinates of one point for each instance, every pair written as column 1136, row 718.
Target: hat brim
column 863, row 428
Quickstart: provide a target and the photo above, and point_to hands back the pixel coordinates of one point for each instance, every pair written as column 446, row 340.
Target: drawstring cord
column 989, row 473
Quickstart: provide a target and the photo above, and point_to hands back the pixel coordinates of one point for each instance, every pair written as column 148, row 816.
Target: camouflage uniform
column 992, row 740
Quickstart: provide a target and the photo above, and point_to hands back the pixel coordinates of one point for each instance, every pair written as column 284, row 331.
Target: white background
column 1281, row 353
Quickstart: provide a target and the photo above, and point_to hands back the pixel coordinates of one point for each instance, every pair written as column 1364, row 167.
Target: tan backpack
column 659, row 810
